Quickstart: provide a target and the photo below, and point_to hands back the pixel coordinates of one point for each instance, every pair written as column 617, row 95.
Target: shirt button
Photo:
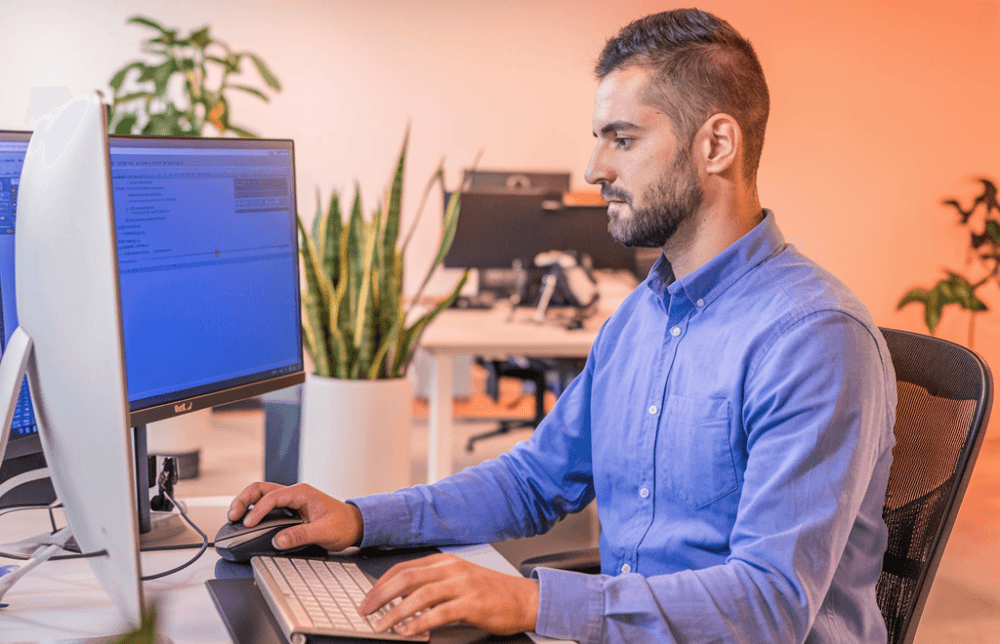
column 644, row 493
column 652, row 409
column 700, row 302
column 626, row 568
column 676, row 331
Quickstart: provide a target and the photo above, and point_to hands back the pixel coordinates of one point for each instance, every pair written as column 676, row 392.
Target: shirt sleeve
column 818, row 413
column 519, row 494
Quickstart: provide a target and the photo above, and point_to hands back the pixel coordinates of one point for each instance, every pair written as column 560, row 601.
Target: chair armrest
column 587, row 560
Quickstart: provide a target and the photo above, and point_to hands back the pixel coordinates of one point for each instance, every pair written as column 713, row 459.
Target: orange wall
column 879, row 109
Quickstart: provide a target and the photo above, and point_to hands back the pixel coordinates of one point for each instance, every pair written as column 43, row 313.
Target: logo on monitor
column 180, row 408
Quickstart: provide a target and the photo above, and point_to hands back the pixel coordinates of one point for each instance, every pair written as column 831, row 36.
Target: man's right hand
column 332, row 524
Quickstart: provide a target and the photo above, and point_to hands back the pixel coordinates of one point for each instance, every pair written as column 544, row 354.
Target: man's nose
column 599, row 170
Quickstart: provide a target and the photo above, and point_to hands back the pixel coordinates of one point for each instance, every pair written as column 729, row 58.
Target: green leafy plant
column 984, row 248
column 355, row 322
column 145, row 634
column 184, row 88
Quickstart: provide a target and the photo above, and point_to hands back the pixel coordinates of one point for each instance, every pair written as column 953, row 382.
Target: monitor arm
column 12, row 368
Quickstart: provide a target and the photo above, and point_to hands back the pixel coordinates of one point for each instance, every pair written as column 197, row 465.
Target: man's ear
column 719, row 141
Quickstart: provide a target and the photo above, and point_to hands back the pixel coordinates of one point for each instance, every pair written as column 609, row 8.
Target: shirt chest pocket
column 693, row 454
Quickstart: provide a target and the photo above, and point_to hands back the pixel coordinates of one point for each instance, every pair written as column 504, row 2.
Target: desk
column 62, row 600
column 495, row 333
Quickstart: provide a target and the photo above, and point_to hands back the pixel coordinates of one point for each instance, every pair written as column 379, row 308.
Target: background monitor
column 24, row 476
column 516, row 181
column 496, row 228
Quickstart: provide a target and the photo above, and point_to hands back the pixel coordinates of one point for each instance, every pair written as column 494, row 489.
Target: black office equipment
column 496, row 228
column 553, row 183
column 238, row 543
column 249, row 620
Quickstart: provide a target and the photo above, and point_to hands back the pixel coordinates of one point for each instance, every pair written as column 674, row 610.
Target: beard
column 668, row 204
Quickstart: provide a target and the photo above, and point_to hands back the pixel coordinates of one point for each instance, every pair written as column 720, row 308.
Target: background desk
column 62, row 600
column 486, row 333
column 494, row 333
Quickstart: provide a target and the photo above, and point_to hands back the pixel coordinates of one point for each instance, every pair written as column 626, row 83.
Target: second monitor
column 495, row 228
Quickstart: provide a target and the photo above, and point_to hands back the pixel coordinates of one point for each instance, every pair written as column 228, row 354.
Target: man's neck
column 714, row 228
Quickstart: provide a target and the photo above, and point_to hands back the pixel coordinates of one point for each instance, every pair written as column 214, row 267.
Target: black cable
column 201, row 551
column 52, row 516
column 202, row 547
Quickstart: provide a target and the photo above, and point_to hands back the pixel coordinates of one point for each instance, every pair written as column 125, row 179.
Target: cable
column 40, row 555
column 201, row 551
column 187, row 546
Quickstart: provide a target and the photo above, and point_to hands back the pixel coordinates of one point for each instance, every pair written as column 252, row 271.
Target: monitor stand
column 160, row 525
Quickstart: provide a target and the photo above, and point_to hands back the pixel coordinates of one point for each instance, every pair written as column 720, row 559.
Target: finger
column 249, row 496
column 277, row 497
column 399, row 581
column 301, row 535
column 446, row 612
column 421, row 599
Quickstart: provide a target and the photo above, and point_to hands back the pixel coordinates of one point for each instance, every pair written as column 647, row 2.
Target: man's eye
column 622, row 143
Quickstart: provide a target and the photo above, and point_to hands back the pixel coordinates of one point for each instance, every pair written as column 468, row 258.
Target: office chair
column 945, row 396
column 534, row 370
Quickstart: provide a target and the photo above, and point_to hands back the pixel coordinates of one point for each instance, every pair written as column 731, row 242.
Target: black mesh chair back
column 945, row 394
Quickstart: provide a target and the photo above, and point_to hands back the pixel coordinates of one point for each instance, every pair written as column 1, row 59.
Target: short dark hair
column 701, row 66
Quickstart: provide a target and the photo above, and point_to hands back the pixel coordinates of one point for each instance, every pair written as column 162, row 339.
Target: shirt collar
column 711, row 279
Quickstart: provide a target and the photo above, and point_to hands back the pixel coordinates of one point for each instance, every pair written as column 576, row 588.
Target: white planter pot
column 355, row 435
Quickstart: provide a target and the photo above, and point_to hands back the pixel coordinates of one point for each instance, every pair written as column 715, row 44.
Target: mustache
column 610, row 193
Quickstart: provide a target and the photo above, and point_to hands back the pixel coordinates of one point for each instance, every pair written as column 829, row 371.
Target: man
column 734, row 419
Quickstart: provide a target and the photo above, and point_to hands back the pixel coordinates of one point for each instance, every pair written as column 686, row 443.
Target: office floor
column 963, row 607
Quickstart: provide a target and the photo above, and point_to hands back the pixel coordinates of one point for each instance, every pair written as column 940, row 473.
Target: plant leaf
column 200, row 38
column 317, row 298
column 450, row 224
column 265, row 73
column 240, row 131
column 993, row 230
column 135, row 96
column 125, row 124
column 251, row 90
column 414, row 332
column 393, row 202
column 148, row 22
column 334, row 228
column 954, row 290
column 119, row 77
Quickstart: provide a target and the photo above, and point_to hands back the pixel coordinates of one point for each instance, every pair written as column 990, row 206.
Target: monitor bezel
column 184, row 404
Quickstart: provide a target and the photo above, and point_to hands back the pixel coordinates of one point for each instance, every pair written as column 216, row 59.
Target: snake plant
column 356, row 323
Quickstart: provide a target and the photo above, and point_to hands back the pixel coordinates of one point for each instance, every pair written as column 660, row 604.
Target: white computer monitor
column 154, row 276
column 70, row 340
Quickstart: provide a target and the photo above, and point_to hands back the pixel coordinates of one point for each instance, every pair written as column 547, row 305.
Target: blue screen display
column 13, row 146
column 208, row 263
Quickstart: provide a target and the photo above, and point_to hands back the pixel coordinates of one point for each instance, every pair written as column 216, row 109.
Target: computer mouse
column 238, row 543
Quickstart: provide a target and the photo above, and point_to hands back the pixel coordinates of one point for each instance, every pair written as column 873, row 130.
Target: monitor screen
column 23, row 474
column 208, row 264
column 495, row 228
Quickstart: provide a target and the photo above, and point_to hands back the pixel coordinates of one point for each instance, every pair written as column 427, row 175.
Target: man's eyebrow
column 617, row 126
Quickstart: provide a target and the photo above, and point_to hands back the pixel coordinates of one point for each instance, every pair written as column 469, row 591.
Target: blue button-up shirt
column 735, row 427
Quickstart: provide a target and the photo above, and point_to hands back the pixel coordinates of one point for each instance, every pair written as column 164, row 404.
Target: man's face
column 647, row 176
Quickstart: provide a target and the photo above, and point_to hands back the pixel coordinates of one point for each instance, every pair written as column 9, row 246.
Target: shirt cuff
column 570, row 605
column 387, row 520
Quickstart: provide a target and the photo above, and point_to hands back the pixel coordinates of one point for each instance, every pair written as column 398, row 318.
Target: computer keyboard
column 319, row 597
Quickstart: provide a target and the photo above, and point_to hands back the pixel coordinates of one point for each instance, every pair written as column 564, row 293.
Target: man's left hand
column 449, row 589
